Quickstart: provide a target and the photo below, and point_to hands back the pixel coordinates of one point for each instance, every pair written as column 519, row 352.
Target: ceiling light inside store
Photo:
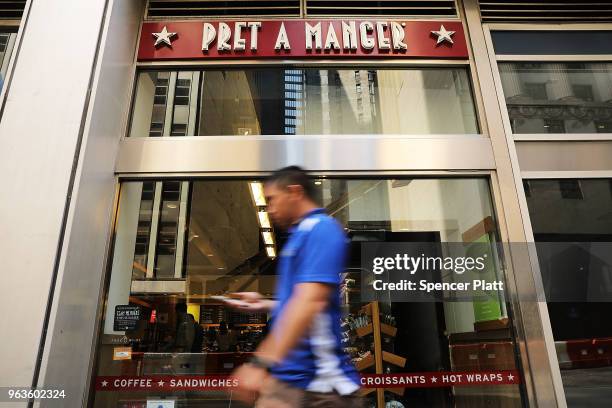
column 264, row 220
column 173, row 206
column 268, row 238
column 271, row 252
column 257, row 193
column 318, row 182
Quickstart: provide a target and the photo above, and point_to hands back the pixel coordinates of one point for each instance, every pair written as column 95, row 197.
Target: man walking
column 301, row 363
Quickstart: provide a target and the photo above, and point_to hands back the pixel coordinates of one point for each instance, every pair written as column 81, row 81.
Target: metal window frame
column 303, row 14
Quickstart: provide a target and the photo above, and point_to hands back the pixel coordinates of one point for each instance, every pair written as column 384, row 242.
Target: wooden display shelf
column 397, row 391
column 498, row 324
column 484, row 227
column 364, row 330
column 388, row 329
column 377, row 329
column 365, row 363
column 369, row 329
column 366, row 309
column 393, row 359
column 365, row 391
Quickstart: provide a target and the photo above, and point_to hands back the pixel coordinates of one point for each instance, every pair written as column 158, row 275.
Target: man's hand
column 251, row 302
column 250, row 381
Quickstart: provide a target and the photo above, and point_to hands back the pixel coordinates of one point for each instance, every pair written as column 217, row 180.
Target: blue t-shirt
column 315, row 252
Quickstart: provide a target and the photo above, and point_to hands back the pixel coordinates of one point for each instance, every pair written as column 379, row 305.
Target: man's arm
column 316, row 280
column 252, row 302
column 307, row 301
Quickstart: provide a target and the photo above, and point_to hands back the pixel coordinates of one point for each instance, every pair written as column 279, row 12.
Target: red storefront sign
column 189, row 40
column 396, row 380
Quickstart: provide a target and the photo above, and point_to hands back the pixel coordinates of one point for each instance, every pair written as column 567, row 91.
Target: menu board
column 215, row 314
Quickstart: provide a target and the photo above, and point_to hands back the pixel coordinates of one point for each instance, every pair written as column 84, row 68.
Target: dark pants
column 277, row 394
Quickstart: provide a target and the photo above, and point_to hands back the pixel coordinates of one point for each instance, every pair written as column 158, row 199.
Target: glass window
column 572, row 225
column 229, row 245
column 306, row 101
column 558, row 97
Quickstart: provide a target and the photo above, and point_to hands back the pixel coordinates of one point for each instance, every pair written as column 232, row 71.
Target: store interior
column 180, row 243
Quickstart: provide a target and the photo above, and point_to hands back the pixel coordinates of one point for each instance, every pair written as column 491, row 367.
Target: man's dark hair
column 293, row 175
column 181, row 307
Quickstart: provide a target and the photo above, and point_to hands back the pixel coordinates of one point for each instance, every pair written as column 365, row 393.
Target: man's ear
column 296, row 189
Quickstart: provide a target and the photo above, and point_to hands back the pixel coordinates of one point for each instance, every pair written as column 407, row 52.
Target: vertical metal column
column 541, row 371
column 66, row 188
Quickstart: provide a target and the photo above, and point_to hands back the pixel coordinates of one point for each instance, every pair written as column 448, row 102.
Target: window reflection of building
column 143, row 231
column 294, row 94
column 160, row 101
column 159, row 241
column 184, row 111
column 169, row 104
column 167, row 262
column 558, row 97
column 303, row 101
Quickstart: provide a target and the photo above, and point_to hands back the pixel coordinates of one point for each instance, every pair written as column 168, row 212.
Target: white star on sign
column 444, row 35
column 160, row 383
column 510, row 377
column 434, row 379
column 104, row 383
column 163, row 37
